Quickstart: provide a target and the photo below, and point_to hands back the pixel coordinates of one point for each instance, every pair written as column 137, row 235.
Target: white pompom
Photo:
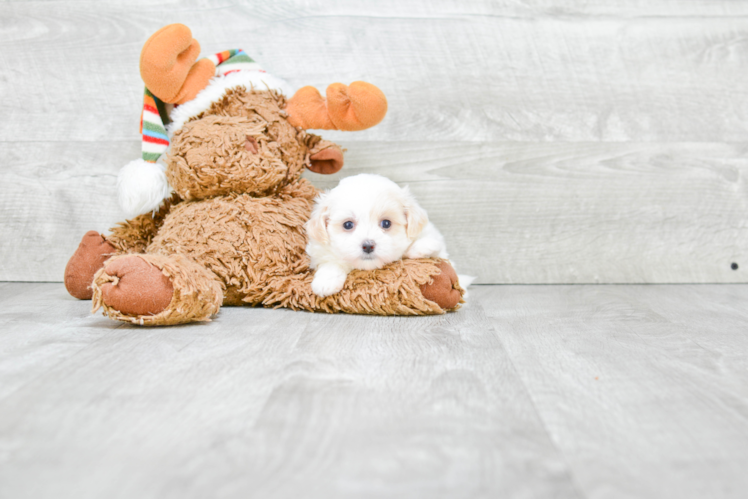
column 142, row 187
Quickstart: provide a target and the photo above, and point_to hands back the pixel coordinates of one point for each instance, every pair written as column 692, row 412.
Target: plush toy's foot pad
column 136, row 287
column 90, row 256
column 444, row 290
column 153, row 289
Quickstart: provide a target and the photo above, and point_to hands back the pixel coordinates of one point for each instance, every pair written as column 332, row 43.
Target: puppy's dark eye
column 385, row 224
column 348, row 225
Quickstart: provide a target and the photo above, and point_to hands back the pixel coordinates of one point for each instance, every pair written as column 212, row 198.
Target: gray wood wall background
column 574, row 141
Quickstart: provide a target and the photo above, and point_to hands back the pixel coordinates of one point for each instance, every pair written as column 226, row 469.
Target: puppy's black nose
column 368, row 246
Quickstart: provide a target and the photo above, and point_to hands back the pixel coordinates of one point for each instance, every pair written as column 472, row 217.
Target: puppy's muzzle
column 368, row 246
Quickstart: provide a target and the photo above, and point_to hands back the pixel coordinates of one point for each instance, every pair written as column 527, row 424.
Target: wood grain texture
column 510, row 212
column 578, row 213
column 643, row 388
column 528, row 391
column 52, row 194
column 264, row 403
column 552, row 142
column 484, row 71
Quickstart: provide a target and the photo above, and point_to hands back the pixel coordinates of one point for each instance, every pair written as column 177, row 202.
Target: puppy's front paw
column 328, row 281
column 425, row 248
column 418, row 253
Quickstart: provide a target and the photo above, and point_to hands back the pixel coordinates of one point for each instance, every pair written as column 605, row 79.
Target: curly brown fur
column 134, row 235
column 256, row 247
column 210, row 156
column 245, row 241
column 393, row 290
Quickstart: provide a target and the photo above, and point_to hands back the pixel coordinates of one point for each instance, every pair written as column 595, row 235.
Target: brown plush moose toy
column 218, row 204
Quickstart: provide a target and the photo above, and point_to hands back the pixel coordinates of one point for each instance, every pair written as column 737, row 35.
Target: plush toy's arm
column 409, row 287
column 300, row 189
column 134, row 235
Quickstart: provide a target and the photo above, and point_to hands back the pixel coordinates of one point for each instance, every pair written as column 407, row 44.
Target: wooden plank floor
column 551, row 391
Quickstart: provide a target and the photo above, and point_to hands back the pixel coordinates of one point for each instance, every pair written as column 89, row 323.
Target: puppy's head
column 367, row 221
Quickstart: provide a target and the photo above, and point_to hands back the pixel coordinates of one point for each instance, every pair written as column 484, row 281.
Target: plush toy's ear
column 327, row 158
column 316, row 226
column 142, row 187
column 416, row 217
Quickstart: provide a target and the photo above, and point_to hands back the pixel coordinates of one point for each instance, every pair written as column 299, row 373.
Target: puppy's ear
column 316, row 226
column 416, row 217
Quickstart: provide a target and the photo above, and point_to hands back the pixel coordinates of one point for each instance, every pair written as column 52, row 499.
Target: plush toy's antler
column 356, row 107
column 168, row 67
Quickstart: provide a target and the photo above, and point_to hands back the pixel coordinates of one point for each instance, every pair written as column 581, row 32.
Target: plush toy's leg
column 134, row 235
column 408, row 287
column 147, row 289
column 90, row 256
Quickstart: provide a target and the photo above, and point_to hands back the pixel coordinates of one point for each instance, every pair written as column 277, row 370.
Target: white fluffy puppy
column 365, row 222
